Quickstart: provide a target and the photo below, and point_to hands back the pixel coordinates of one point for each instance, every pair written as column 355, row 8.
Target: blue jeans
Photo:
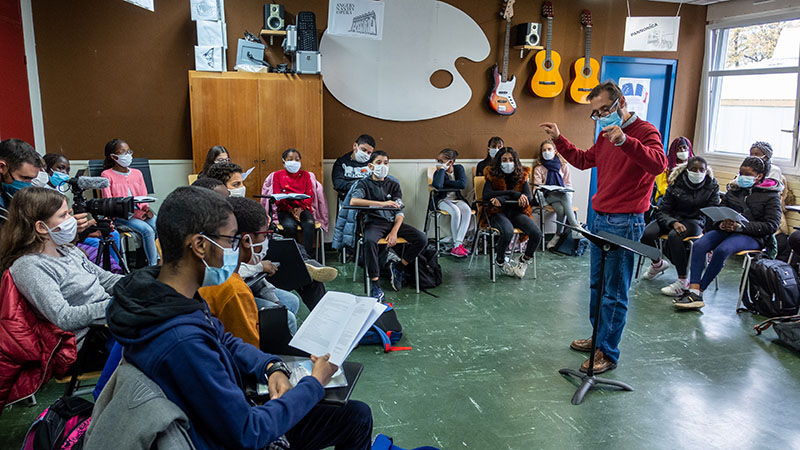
column 616, row 280
column 146, row 229
column 285, row 298
column 722, row 245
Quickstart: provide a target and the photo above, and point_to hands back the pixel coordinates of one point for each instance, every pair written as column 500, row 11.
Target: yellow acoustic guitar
column 585, row 70
column 547, row 81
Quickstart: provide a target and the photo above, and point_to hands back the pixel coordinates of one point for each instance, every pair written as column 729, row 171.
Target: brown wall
column 109, row 69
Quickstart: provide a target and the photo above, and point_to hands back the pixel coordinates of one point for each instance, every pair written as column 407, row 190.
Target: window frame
column 707, row 107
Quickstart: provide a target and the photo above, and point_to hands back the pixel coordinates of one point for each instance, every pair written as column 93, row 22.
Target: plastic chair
column 689, row 240
column 192, row 178
column 433, row 211
column 749, row 256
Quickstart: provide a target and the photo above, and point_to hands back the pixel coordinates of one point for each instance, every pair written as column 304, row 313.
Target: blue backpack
column 383, row 442
column 386, row 331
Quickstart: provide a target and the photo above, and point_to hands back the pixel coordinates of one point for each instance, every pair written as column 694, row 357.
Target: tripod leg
column 587, row 384
column 615, row 383
column 122, row 263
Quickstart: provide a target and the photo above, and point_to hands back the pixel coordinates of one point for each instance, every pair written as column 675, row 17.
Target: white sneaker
column 676, row 289
column 521, row 267
column 553, row 241
column 654, row 271
column 508, row 269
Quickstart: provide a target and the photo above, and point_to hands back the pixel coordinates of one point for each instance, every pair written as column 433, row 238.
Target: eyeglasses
column 126, row 152
column 222, row 160
column 234, row 240
column 604, row 112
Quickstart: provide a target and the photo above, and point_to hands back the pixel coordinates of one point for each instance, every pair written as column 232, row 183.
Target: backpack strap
column 763, row 326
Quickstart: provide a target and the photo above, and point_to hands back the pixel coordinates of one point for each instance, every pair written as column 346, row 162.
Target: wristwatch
column 279, row 366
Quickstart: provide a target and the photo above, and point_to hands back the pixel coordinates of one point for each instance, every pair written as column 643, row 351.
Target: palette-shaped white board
column 390, row 78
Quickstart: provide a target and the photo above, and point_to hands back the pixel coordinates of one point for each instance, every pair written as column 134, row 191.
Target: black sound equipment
column 273, row 17
column 528, row 33
column 307, row 32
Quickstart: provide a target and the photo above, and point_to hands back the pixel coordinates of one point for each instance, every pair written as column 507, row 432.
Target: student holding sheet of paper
column 552, row 169
column 167, row 333
column 760, row 204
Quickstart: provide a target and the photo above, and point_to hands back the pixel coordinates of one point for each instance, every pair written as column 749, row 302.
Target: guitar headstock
column 547, row 10
column 586, row 18
column 508, row 10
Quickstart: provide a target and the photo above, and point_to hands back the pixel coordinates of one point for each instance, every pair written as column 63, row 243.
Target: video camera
column 118, row 207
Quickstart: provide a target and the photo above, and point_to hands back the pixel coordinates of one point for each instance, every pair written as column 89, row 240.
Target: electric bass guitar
column 547, row 81
column 501, row 97
column 585, row 70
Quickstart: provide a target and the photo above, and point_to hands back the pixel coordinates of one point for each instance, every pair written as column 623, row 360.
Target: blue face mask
column 745, row 181
column 58, row 178
column 611, row 119
column 215, row 276
column 13, row 188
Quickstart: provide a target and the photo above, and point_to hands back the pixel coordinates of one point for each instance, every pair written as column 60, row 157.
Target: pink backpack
column 61, row 426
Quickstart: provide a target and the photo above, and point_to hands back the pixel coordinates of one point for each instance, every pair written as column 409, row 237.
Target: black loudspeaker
column 307, row 32
column 273, row 17
column 528, row 33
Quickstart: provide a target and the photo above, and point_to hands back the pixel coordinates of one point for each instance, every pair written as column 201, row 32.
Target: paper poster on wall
column 210, row 33
column 637, row 95
column 356, row 18
column 205, row 10
column 208, row 58
column 652, row 34
column 146, row 4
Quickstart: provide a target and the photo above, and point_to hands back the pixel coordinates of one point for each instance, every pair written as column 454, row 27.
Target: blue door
column 661, row 76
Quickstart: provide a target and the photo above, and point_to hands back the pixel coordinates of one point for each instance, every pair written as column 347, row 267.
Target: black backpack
column 430, row 272
column 571, row 243
column 772, row 288
column 61, row 426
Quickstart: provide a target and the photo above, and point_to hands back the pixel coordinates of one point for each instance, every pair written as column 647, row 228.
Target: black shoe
column 397, row 271
column 689, row 300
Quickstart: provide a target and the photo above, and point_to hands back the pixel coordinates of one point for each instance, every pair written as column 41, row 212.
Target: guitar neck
column 588, row 46
column 549, row 44
column 505, row 50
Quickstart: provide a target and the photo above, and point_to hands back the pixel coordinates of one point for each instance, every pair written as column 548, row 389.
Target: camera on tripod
column 115, row 207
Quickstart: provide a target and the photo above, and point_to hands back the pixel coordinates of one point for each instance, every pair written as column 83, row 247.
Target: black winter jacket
column 760, row 206
column 683, row 200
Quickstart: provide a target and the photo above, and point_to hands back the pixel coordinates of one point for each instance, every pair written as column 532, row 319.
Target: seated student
column 760, row 205
column 52, row 274
column 691, row 187
column 552, row 169
column 381, row 192
column 352, row 166
column 216, row 154
column 450, row 175
column 199, row 365
column 230, row 175
column 19, row 165
column 232, row 302
column 495, row 144
column 508, row 190
column 294, row 213
column 763, row 150
column 124, row 181
column 213, row 184
column 57, row 167
column 679, row 153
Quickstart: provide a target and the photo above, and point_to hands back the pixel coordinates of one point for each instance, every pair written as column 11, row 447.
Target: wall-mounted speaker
column 273, row 17
column 528, row 33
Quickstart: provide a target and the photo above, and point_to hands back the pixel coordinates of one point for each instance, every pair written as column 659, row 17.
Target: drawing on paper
column 365, row 24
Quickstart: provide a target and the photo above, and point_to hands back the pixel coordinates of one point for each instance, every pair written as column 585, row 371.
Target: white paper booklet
column 336, row 325
column 279, row 197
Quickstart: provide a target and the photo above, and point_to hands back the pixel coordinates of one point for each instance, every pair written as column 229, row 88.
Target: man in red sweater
column 628, row 155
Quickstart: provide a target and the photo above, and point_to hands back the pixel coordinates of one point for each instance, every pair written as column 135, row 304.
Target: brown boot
column 582, row 345
column 601, row 363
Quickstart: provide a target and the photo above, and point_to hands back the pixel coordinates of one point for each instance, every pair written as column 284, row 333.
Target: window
column 751, row 89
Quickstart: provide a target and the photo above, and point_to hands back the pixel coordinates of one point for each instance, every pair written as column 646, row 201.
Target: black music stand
column 607, row 242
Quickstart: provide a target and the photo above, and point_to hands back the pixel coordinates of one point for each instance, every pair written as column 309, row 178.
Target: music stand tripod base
column 606, row 243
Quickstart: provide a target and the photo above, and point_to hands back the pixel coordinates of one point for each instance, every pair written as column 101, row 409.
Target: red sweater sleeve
column 581, row 159
column 647, row 153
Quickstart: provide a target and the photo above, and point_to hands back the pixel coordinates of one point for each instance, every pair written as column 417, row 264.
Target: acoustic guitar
column 547, row 81
column 585, row 70
column 501, row 97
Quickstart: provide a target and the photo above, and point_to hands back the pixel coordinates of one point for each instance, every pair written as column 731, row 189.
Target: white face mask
column 507, row 167
column 682, row 156
column 362, row 156
column 257, row 257
column 292, row 166
column 125, row 160
column 696, row 177
column 548, row 154
column 67, row 230
column 493, row 151
column 41, row 179
column 441, row 165
column 380, row 170
column 238, row 192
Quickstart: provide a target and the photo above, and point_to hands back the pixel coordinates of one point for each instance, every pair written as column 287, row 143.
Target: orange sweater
column 232, row 303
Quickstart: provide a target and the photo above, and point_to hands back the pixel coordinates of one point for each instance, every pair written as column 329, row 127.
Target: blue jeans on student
column 617, row 280
column 722, row 245
column 285, row 298
column 147, row 229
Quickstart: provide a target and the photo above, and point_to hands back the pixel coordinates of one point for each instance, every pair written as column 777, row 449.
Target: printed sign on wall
column 637, row 94
column 356, row 18
column 652, row 34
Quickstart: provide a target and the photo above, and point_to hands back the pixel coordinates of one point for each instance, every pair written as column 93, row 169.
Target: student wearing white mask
column 352, row 166
column 125, row 181
column 508, row 191
column 450, row 175
column 680, row 150
column 494, row 146
column 691, row 187
column 56, row 278
column 552, row 169
column 293, row 213
column 230, row 174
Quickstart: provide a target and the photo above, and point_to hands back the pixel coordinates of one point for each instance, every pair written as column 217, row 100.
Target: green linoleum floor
column 483, row 372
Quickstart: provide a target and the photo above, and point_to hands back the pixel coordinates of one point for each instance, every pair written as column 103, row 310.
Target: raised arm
column 647, row 153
